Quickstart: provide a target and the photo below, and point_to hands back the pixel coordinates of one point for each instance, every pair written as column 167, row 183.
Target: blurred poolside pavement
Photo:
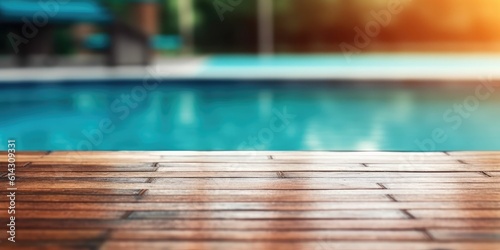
column 368, row 67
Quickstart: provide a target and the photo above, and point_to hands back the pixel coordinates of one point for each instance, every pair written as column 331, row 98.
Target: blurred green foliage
column 236, row 33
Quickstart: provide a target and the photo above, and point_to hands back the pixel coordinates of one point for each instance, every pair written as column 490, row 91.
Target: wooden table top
column 253, row 200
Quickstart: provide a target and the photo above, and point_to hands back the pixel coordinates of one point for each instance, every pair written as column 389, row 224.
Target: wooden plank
column 310, row 193
column 345, row 245
column 304, row 167
column 254, row 198
column 49, row 197
column 478, row 196
column 345, row 157
column 91, row 165
column 287, row 236
column 80, row 157
column 465, row 234
column 61, row 214
column 477, row 158
column 47, row 245
column 25, row 156
column 454, row 186
column 22, row 197
column 94, row 167
column 158, row 206
column 480, row 162
column 196, row 181
column 493, row 174
column 19, row 165
column 248, row 167
column 281, row 178
column 474, row 153
column 457, row 214
column 367, row 159
column 23, row 180
column 81, row 191
column 275, row 215
column 200, row 185
column 245, row 167
column 95, row 160
column 274, row 193
column 38, row 165
column 432, row 167
column 199, row 224
column 253, row 174
column 233, row 196
column 60, row 235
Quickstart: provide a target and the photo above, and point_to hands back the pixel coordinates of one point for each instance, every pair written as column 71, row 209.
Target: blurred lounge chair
column 159, row 42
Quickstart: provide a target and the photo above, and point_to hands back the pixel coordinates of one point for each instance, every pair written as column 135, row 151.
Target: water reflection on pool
column 228, row 115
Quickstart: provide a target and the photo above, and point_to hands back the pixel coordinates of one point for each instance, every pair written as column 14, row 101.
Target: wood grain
column 255, row 200
column 263, row 224
column 257, row 235
column 465, row 234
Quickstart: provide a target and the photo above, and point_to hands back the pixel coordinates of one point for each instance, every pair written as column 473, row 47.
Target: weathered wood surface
column 254, row 200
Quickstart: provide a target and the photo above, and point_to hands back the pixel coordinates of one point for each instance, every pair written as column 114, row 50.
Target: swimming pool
column 250, row 115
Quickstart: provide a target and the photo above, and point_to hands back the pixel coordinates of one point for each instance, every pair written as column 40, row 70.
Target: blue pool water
column 230, row 115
